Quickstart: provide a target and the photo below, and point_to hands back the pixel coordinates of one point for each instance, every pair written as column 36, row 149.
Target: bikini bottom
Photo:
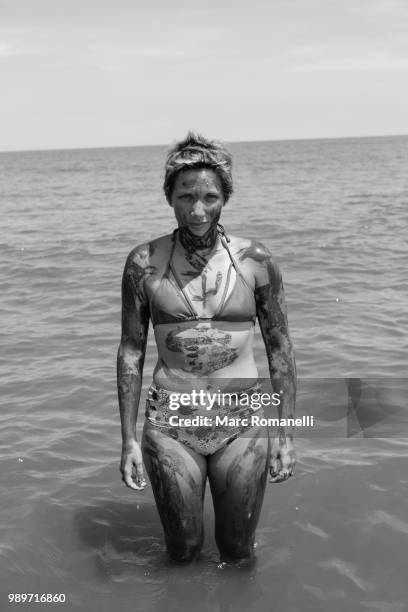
column 205, row 430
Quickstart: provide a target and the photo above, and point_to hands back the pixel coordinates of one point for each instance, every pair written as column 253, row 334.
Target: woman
column 202, row 291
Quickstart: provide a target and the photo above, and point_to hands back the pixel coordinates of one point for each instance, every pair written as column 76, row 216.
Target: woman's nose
column 198, row 209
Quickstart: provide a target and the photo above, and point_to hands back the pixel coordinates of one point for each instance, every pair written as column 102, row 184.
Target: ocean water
column 335, row 215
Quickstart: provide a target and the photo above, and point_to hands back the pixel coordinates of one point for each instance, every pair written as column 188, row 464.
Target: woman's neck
column 191, row 242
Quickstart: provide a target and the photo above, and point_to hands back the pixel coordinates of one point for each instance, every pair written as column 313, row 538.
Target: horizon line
column 141, row 146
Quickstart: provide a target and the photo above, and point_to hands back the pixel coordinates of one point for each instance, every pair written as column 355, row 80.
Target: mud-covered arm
column 130, row 361
column 273, row 321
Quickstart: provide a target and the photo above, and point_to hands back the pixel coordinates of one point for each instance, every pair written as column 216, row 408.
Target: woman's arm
column 273, row 321
column 130, row 361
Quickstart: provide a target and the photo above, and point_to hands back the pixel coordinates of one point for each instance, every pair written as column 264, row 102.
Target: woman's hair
column 193, row 152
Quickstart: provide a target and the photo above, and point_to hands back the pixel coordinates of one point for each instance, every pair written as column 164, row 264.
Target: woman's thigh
column 237, row 475
column 177, row 475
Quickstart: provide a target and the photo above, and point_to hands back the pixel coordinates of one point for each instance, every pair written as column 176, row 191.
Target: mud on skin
column 206, row 352
column 237, row 514
column 273, row 320
column 179, row 498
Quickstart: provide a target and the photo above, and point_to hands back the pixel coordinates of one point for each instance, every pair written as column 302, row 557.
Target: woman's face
column 197, row 199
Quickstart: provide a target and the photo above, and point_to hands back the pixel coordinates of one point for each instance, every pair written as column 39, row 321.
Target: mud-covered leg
column 177, row 475
column 237, row 475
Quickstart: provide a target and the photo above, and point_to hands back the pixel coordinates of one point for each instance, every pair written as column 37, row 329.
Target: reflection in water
column 127, row 545
column 122, row 536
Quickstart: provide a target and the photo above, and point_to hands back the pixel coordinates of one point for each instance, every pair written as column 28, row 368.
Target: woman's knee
column 235, row 549
column 185, row 550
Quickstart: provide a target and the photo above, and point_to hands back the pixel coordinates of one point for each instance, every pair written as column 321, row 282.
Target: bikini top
column 171, row 304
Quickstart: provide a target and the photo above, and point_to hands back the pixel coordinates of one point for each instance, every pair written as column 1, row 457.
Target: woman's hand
column 282, row 459
column 131, row 466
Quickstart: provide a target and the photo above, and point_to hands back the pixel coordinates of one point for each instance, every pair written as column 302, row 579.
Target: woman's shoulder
column 247, row 248
column 144, row 254
column 257, row 259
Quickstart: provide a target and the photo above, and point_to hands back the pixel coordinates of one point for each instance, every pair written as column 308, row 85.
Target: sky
column 96, row 73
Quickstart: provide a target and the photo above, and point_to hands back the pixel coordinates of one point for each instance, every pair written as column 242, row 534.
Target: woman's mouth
column 198, row 226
